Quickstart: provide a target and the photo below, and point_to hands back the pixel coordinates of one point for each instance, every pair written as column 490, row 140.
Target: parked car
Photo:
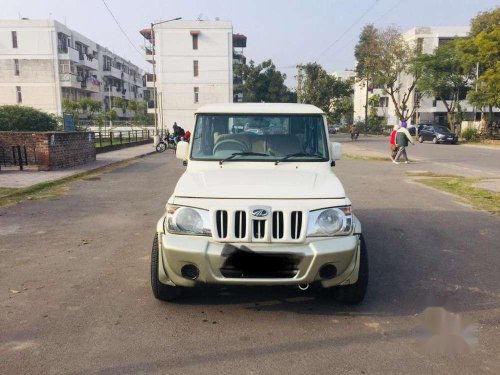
column 412, row 128
column 259, row 208
column 437, row 134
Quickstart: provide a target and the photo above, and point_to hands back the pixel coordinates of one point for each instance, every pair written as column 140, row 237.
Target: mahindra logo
column 260, row 212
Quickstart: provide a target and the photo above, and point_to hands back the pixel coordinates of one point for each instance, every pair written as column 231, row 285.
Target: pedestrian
column 178, row 132
column 403, row 136
column 392, row 142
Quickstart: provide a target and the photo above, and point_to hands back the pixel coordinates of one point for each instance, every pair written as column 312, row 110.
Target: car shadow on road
column 410, row 269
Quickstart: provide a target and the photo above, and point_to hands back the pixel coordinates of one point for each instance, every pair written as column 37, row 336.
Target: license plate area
column 244, row 263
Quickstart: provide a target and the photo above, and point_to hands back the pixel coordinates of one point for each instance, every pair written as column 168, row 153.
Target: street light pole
column 155, row 95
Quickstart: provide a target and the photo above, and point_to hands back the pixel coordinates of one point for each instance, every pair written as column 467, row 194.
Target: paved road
column 456, row 159
column 75, row 295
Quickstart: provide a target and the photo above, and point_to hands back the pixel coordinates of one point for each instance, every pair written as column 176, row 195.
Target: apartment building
column 43, row 62
column 424, row 40
column 193, row 65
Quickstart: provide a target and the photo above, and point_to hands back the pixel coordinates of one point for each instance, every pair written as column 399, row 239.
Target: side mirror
column 335, row 151
column 182, row 150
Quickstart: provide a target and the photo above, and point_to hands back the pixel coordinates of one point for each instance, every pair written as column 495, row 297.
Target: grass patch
column 7, row 191
column 463, row 188
column 358, row 157
column 53, row 189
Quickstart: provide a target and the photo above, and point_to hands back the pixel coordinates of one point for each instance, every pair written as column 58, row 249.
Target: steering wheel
column 236, row 145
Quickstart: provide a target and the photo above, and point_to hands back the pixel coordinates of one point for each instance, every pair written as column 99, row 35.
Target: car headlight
column 334, row 221
column 187, row 220
column 441, row 135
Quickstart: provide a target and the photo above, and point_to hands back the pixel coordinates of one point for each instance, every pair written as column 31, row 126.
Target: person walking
column 392, row 142
column 403, row 136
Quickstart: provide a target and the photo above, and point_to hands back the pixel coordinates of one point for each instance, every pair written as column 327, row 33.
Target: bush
column 470, row 135
column 19, row 118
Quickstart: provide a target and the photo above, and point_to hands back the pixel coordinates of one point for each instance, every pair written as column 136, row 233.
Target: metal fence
column 20, row 155
column 111, row 138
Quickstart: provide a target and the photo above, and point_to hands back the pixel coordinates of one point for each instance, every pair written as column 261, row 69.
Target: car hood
column 255, row 183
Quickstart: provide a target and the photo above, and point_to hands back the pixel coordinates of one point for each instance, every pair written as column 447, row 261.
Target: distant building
column 43, row 62
column 425, row 40
column 193, row 66
column 344, row 75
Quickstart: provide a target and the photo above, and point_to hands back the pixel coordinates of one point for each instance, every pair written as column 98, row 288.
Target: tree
column 485, row 21
column 323, row 90
column 263, row 83
column 480, row 54
column 120, row 103
column 365, row 53
column 72, row 107
column 111, row 115
column 21, row 118
column 374, row 122
column 443, row 77
column 397, row 71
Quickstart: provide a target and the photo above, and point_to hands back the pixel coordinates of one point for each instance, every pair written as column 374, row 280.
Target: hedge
column 20, row 118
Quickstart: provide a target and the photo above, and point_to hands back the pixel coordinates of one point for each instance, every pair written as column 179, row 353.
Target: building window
column 19, row 95
column 16, row 67
column 14, row 39
column 196, row 94
column 420, row 45
column 434, row 102
column 195, row 68
column 195, row 41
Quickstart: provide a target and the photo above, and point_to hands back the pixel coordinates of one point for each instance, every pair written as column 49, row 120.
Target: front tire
column 160, row 147
column 355, row 293
column 421, row 139
column 435, row 140
column 161, row 291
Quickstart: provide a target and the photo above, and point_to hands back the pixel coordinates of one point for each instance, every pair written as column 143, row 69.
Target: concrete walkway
column 21, row 179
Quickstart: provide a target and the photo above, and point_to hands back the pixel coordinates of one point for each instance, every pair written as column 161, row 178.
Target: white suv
column 259, row 208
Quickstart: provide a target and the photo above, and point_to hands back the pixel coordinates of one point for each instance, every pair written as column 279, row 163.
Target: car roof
column 260, row 108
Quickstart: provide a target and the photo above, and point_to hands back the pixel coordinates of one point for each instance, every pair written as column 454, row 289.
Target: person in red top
column 394, row 148
column 187, row 135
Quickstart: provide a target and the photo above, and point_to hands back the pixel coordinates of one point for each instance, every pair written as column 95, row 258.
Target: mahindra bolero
column 259, row 204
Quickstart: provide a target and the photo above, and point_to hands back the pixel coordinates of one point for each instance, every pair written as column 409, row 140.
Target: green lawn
column 462, row 187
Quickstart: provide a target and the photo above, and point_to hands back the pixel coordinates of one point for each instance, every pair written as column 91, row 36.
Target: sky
column 287, row 31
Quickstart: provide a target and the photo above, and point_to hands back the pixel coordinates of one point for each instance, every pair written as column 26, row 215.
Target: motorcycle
column 354, row 136
column 168, row 141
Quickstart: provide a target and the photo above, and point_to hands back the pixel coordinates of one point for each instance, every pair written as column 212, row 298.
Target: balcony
column 70, row 80
column 69, row 54
column 151, row 106
column 91, row 85
column 150, row 79
column 239, row 41
column 149, row 54
column 111, row 71
column 88, row 61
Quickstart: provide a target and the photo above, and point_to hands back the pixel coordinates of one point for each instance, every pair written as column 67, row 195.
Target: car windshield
column 259, row 138
column 441, row 129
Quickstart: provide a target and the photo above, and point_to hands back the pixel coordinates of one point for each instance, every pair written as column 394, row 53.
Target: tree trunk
column 449, row 116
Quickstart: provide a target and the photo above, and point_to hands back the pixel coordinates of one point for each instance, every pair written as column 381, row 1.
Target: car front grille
column 241, row 226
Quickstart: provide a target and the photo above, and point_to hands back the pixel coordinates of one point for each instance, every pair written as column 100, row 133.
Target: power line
column 390, row 10
column 347, row 30
column 121, row 28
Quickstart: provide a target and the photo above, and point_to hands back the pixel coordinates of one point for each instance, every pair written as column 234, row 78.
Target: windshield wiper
column 234, row 154
column 298, row 154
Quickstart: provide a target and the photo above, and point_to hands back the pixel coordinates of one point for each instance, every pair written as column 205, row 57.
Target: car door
column 425, row 133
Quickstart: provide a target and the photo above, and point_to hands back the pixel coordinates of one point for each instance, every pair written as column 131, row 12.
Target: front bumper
column 211, row 258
